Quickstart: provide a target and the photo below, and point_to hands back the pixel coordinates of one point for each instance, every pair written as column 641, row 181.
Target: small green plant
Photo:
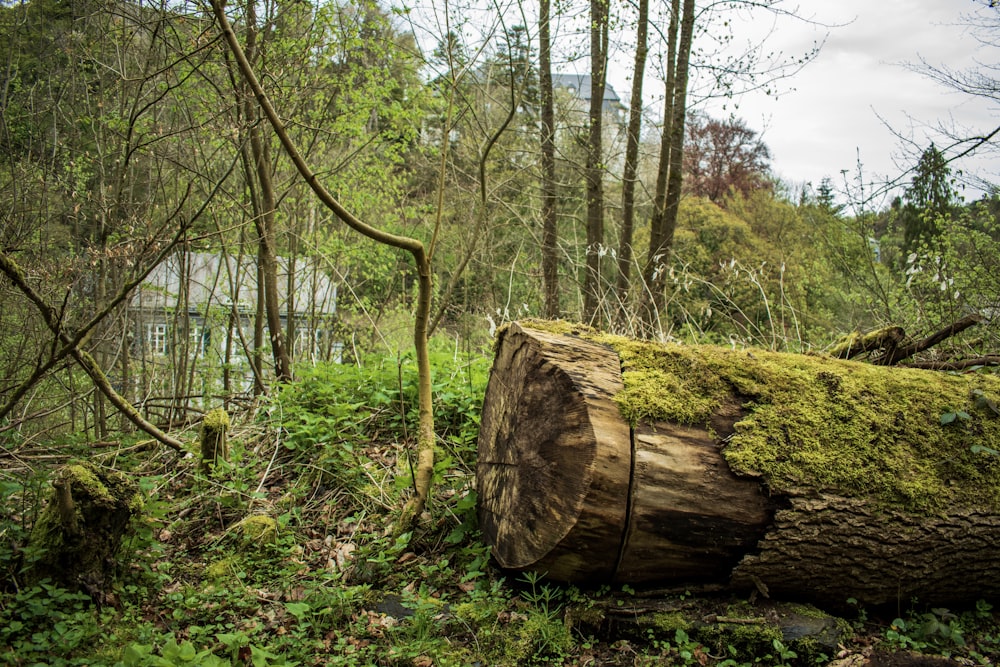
column 546, row 598
column 783, row 654
column 938, row 628
column 862, row 613
column 899, row 633
column 178, row 654
column 46, row 623
column 952, row 417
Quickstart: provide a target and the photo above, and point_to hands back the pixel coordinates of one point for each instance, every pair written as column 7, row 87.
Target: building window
column 200, row 338
column 156, row 338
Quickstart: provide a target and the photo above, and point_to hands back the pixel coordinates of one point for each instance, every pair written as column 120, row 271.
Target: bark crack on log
column 623, row 542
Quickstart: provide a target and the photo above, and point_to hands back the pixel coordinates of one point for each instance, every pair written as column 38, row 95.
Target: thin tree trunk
column 258, row 322
column 268, row 257
column 550, row 233
column 629, row 179
column 100, row 412
column 595, row 166
column 264, row 220
column 226, row 360
column 669, row 177
column 290, row 304
column 425, row 433
column 181, row 349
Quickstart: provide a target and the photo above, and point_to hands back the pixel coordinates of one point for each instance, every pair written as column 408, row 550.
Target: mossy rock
column 76, row 540
column 255, row 531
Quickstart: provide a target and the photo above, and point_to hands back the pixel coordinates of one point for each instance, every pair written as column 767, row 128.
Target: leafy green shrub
column 47, row 624
column 335, row 412
column 174, row 654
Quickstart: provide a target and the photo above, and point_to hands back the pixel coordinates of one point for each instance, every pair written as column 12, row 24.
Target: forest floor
column 286, row 556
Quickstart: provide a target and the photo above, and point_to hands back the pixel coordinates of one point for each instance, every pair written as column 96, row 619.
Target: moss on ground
column 844, row 427
column 256, row 530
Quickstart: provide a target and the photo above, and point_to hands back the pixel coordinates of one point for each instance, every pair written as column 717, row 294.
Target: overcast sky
column 837, row 109
column 842, row 102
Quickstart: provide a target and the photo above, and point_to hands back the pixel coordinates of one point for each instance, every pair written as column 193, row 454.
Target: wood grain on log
column 557, row 488
column 690, row 517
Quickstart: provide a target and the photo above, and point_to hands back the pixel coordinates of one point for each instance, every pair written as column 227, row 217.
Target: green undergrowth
column 285, row 555
column 920, row 440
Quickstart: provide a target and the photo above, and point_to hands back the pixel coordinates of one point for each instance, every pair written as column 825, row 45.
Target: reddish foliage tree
column 724, row 155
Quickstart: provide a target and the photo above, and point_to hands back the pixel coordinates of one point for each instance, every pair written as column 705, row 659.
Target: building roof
column 581, row 85
column 216, row 283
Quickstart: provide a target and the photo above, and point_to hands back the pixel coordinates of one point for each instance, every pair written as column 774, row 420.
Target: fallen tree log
column 603, row 459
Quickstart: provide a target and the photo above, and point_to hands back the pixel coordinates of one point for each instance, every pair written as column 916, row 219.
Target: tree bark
column 550, row 234
column 595, row 162
column 570, row 488
column 629, row 179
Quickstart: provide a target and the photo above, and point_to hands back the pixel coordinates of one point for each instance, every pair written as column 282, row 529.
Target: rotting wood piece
column 76, row 539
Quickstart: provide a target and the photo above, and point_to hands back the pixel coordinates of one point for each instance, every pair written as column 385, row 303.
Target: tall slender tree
column 928, row 200
column 669, row 177
column 550, row 234
column 594, row 170
column 629, row 179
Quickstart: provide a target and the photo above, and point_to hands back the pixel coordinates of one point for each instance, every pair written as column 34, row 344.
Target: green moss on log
column 835, row 426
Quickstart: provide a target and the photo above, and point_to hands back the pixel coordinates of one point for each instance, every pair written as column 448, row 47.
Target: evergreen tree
column 929, row 200
column 825, row 197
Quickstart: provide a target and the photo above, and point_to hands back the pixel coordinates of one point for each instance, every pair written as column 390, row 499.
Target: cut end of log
column 541, row 470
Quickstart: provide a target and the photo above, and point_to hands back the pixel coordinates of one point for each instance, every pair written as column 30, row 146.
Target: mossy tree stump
column 76, row 539
column 607, row 459
column 214, row 435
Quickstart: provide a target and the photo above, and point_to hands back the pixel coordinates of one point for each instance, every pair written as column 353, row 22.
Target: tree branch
column 13, row 271
column 424, row 471
column 962, row 364
column 894, row 356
